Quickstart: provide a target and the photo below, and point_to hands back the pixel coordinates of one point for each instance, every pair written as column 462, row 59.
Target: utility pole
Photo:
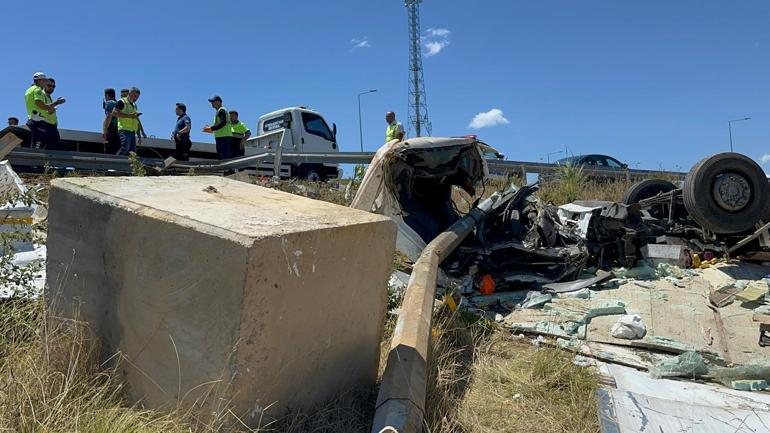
column 418, row 107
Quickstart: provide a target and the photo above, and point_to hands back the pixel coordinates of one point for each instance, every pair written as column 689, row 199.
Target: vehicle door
column 316, row 135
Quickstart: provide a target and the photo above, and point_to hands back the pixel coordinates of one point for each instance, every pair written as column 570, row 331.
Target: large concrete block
column 279, row 298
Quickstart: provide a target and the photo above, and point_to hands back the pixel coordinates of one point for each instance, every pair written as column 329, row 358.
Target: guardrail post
column 277, row 162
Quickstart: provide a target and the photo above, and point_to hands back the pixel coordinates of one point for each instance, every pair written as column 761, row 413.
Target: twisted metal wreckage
column 548, row 270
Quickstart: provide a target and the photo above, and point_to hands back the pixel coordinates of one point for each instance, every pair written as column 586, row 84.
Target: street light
column 548, row 156
column 730, row 128
column 360, row 130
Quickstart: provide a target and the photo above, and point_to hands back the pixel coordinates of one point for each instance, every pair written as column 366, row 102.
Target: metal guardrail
column 400, row 406
column 103, row 162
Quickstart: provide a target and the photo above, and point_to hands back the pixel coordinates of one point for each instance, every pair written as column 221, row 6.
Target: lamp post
column 548, row 156
column 730, row 129
column 360, row 130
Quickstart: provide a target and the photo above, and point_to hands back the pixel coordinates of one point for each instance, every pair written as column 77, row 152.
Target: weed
column 137, row 168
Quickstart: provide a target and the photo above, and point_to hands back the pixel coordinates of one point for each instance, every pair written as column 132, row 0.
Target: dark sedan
column 602, row 161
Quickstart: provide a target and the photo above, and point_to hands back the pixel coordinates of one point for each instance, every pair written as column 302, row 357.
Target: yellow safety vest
column 225, row 131
column 125, row 123
column 391, row 132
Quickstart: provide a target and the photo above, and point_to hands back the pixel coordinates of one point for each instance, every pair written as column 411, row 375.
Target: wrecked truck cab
column 519, row 241
column 411, row 182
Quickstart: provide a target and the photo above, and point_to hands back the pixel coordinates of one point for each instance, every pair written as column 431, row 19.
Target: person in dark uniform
column 181, row 134
column 110, row 125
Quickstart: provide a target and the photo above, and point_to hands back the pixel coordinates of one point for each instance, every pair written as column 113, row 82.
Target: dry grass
column 51, row 381
column 485, row 380
column 481, row 380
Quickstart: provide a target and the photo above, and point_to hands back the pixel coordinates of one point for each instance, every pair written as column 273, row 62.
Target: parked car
column 602, row 161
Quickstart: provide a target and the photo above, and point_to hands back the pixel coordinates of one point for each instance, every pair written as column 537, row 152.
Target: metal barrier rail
column 400, row 404
column 102, row 162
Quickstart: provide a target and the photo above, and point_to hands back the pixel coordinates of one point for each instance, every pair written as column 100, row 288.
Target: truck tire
column 645, row 189
column 313, row 173
column 726, row 193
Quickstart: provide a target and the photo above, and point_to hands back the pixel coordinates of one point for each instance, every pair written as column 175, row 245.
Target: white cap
column 39, row 76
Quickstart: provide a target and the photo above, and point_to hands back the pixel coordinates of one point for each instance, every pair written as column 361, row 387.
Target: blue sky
column 650, row 82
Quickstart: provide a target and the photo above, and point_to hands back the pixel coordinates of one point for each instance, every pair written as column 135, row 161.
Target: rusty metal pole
column 400, row 404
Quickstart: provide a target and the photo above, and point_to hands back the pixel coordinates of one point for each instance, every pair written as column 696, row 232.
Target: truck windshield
column 272, row 124
column 315, row 124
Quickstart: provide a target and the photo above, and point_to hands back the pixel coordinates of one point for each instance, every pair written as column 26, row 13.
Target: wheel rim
column 732, row 192
column 313, row 177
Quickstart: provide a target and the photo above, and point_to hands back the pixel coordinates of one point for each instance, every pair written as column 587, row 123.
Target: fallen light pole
column 400, row 404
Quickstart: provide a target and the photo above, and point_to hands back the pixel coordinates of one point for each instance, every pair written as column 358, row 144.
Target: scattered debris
column 629, row 327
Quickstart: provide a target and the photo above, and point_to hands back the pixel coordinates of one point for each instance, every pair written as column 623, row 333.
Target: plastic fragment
column 629, row 327
column 749, row 385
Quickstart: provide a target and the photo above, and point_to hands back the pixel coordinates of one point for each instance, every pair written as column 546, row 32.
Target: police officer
column 240, row 134
column 128, row 114
column 394, row 130
column 181, row 134
column 222, row 130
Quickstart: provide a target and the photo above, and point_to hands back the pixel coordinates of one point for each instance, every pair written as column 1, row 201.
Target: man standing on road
column 240, row 134
column 128, row 121
column 54, row 138
column 140, row 128
column 35, row 100
column 13, row 121
column 394, row 131
column 221, row 128
column 181, row 134
column 110, row 124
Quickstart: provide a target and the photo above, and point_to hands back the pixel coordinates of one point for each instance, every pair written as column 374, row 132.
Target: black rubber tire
column 645, row 189
column 704, row 209
column 314, row 173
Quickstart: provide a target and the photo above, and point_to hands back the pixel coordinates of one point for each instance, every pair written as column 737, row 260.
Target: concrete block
column 222, row 291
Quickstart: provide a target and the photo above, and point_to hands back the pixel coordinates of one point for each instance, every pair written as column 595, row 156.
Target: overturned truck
column 720, row 208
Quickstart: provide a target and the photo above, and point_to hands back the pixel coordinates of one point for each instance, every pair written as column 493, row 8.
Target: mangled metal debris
column 647, row 282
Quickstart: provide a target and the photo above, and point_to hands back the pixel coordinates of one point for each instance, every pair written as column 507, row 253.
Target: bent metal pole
column 401, row 401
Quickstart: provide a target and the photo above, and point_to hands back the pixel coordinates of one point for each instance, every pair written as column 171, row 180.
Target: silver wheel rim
column 731, row 191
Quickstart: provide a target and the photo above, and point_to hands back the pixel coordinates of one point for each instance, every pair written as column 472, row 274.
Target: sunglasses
column 52, row 87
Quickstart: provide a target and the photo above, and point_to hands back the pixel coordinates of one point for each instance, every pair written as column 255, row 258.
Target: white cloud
column 440, row 33
column 360, row 43
column 435, row 40
column 765, row 158
column 486, row 119
column 435, row 47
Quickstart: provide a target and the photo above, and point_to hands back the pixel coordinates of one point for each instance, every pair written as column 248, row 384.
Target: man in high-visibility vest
column 394, row 131
column 222, row 130
column 241, row 133
column 37, row 108
column 53, row 138
column 128, row 121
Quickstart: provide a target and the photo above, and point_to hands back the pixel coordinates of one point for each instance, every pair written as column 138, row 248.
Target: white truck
column 295, row 130
column 292, row 129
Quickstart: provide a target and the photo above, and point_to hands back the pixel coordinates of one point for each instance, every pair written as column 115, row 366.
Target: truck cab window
column 315, row 124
